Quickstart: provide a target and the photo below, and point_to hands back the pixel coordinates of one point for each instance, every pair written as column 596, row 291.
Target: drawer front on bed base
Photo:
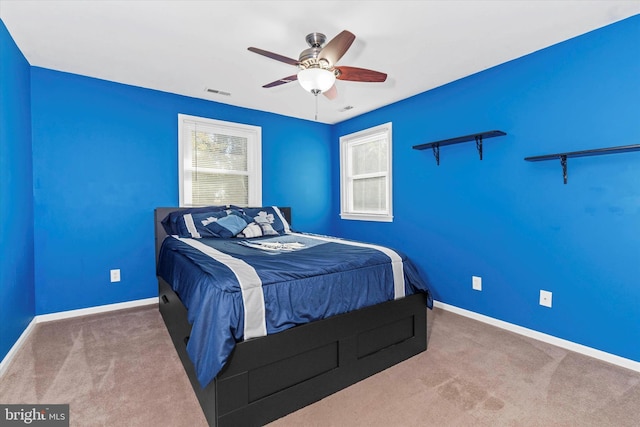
column 174, row 314
column 266, row 380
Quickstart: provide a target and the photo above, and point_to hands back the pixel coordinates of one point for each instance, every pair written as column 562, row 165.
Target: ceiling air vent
column 218, row 92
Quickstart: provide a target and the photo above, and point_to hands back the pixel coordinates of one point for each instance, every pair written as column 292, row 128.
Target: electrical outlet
column 476, row 283
column 115, row 275
column 545, row 298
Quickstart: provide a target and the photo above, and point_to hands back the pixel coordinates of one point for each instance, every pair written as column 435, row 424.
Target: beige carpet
column 120, row 369
column 113, row 369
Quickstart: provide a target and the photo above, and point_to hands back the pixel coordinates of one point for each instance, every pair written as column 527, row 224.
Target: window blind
column 220, row 163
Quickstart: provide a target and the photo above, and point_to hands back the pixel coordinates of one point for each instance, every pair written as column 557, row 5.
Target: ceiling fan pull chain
column 316, row 96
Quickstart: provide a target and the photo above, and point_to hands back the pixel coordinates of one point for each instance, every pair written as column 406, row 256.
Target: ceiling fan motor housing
column 315, row 39
column 309, row 57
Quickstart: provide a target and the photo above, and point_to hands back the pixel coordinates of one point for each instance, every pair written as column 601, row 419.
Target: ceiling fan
column 317, row 65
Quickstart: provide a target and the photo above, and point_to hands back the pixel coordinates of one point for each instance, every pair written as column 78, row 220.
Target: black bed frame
column 269, row 377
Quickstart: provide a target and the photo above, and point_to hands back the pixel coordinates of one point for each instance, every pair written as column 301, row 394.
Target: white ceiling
column 184, row 47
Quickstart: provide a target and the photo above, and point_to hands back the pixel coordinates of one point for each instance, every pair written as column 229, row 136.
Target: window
column 219, row 162
column 365, row 175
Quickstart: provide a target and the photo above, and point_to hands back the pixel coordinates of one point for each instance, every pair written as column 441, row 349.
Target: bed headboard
column 161, row 213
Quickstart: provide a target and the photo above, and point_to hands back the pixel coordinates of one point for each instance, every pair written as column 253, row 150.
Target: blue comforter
column 238, row 289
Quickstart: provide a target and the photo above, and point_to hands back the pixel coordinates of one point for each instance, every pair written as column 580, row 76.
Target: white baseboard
column 550, row 339
column 6, row 361
column 94, row 310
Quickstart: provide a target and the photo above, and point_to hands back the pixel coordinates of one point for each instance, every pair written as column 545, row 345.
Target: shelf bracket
column 479, row 145
column 436, row 153
column 563, row 162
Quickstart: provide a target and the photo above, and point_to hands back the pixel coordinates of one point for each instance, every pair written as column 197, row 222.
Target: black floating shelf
column 582, row 153
column 477, row 137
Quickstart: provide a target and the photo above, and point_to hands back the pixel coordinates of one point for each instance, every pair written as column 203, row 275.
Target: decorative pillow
column 229, row 225
column 170, row 222
column 256, row 229
column 269, row 218
column 223, row 224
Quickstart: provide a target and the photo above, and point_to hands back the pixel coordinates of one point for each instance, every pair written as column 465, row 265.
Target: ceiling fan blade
column 356, row 74
column 282, row 81
column 332, row 93
column 275, row 56
column 337, row 47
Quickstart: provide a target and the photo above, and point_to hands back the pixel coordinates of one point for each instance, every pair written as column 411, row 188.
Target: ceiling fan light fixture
column 316, row 80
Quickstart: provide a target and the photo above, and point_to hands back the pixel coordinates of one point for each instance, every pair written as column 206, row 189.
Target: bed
column 289, row 363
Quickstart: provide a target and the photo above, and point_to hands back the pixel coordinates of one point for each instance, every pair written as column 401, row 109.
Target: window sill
column 366, row 217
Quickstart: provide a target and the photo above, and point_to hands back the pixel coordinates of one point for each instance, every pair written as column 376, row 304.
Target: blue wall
column 16, row 194
column 515, row 223
column 105, row 155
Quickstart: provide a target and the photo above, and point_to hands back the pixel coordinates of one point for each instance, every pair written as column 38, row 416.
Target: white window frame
column 346, row 182
column 254, row 155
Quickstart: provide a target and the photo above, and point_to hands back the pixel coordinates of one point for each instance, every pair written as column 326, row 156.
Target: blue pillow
column 170, row 222
column 269, row 218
